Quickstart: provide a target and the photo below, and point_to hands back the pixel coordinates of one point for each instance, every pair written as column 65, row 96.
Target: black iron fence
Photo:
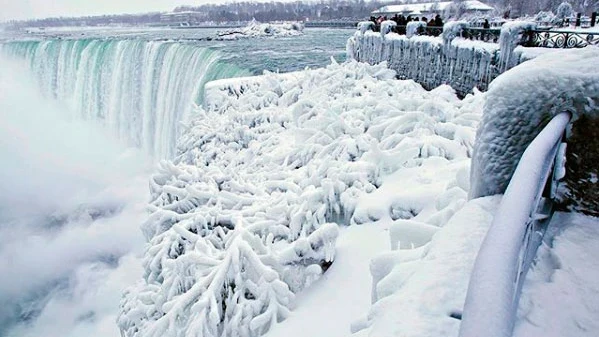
column 559, row 39
column 531, row 38
column 481, row 34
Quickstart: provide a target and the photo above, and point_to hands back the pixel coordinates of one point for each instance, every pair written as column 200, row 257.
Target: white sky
column 25, row 9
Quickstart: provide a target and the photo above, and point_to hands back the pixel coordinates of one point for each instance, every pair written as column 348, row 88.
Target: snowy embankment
column 257, row 29
column 248, row 214
column 433, row 61
column 561, row 294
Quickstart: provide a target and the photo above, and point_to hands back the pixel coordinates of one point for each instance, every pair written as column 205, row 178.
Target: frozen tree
column 564, row 10
column 545, row 17
column 456, row 9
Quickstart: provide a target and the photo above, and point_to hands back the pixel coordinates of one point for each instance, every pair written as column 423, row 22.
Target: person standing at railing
column 438, row 21
column 486, row 24
column 402, row 21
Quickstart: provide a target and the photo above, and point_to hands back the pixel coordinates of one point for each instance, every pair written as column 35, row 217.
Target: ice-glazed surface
column 521, row 102
column 247, row 215
column 447, row 59
column 560, row 294
column 429, row 60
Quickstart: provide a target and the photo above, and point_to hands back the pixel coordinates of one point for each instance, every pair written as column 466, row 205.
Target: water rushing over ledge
column 139, row 89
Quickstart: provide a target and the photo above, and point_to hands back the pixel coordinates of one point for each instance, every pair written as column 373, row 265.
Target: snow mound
column 427, row 285
column 521, row 102
column 247, row 215
column 257, row 29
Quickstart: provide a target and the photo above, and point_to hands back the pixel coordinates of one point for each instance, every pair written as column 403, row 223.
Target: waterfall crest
column 139, row 89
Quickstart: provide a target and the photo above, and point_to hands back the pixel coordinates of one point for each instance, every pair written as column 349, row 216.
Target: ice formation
column 433, row 61
column 521, row 102
column 511, row 34
column 257, row 29
column 413, row 26
column 248, row 213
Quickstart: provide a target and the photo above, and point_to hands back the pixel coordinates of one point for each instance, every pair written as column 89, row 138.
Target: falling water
column 141, row 90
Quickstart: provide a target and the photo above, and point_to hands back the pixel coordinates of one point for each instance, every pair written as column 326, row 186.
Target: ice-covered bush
column 545, row 18
column 248, row 213
column 521, row 102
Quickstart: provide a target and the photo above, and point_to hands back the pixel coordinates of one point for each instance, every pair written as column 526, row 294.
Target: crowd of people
column 403, row 20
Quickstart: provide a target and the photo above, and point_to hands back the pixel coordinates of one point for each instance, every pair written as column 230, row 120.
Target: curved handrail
column 511, row 243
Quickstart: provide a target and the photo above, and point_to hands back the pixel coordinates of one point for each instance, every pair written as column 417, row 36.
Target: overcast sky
column 25, row 9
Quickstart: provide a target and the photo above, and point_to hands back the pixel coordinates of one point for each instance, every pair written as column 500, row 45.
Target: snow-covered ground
column 560, row 296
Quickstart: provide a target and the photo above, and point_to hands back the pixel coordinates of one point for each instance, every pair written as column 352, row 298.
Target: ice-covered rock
column 257, row 29
column 421, row 291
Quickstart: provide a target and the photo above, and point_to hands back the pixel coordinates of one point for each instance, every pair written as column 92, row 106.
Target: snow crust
column 559, row 296
column 248, row 214
column 521, row 102
column 256, row 29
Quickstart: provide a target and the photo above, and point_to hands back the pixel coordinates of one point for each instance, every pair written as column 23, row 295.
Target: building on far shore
column 431, row 8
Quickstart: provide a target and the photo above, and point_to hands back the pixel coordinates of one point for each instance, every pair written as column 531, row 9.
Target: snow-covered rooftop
column 430, row 7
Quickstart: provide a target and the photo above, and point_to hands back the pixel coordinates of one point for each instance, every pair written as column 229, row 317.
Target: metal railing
column 531, row 38
column 515, row 235
column 559, row 39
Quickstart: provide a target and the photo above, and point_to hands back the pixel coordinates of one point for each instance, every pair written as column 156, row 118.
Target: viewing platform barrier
column 516, row 232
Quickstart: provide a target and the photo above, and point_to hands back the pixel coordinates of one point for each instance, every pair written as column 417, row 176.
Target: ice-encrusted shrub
column 248, row 213
column 521, row 102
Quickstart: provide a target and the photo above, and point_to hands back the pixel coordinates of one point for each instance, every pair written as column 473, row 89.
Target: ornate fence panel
column 559, row 39
column 481, row 34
